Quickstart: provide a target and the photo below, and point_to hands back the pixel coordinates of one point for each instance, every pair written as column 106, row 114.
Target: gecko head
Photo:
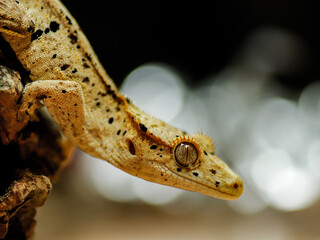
column 190, row 163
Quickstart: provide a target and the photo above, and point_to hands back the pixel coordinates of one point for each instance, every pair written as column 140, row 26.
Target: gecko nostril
column 213, row 171
column 235, row 186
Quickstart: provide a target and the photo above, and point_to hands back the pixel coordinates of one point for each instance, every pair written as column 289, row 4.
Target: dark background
column 198, row 39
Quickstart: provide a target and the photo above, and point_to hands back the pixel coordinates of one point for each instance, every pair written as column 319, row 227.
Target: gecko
column 67, row 77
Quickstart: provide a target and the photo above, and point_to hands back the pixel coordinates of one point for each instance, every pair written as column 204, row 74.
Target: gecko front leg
column 63, row 99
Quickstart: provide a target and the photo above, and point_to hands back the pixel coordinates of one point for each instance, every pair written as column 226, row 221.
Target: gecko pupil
column 186, row 154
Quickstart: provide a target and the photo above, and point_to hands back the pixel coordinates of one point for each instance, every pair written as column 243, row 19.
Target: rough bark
column 32, row 151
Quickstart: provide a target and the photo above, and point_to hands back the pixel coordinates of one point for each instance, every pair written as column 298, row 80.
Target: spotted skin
column 84, row 101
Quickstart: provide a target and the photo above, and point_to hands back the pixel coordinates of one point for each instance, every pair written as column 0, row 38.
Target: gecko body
column 84, row 101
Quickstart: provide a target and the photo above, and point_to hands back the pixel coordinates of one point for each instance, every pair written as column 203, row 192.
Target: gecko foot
column 63, row 99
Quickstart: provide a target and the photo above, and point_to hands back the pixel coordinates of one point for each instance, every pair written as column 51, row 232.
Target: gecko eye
column 186, row 154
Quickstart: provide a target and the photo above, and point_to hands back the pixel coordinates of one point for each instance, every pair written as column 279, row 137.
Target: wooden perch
column 18, row 205
column 31, row 154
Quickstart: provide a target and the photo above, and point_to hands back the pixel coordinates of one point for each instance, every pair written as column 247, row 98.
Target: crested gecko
column 70, row 81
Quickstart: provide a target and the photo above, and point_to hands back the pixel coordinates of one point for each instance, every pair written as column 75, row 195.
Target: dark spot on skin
column 74, row 70
column 119, row 131
column 217, row 184
column 47, row 30
column 54, row 55
column 143, row 127
column 92, row 85
column 75, row 105
column 213, row 171
column 128, row 100
column 88, row 57
column 30, row 29
column 110, row 120
column 64, row 67
column 98, row 104
column 68, row 20
column 160, row 156
column 114, row 96
column 36, row 35
column 110, row 91
column 30, row 104
column 205, row 153
column 117, row 109
column 102, row 94
column 73, row 38
column 124, row 133
column 161, row 149
column 236, row 185
column 85, row 65
column 178, row 169
column 85, row 80
column 42, row 96
column 108, row 110
column 63, row 91
column 54, row 26
column 131, row 147
column 195, row 174
column 5, row 27
column 78, row 46
column 153, row 147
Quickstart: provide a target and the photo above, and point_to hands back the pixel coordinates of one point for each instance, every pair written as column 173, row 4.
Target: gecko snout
column 237, row 187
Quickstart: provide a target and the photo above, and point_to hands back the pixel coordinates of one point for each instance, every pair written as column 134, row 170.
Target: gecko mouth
column 209, row 190
column 220, row 194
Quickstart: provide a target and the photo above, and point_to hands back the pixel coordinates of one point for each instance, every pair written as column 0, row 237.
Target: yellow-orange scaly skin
column 87, row 106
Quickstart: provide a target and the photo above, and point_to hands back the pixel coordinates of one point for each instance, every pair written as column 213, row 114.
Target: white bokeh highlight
column 156, row 89
column 271, row 140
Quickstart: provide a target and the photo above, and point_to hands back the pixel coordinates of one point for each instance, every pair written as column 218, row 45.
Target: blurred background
column 244, row 72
